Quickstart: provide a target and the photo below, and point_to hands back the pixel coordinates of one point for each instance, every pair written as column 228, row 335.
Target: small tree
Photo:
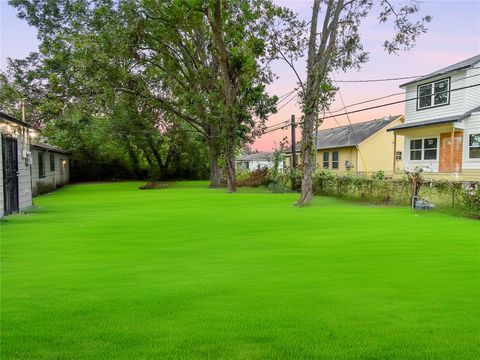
column 416, row 181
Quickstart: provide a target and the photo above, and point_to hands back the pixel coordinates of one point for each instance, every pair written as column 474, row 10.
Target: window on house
column 474, row 146
column 52, row 162
column 41, row 165
column 416, row 149
column 334, row 159
column 423, row 149
column 326, row 159
column 398, row 155
column 429, row 149
column 433, row 94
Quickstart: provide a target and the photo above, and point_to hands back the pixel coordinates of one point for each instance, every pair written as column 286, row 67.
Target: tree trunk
column 308, row 152
column 230, row 167
column 215, row 169
column 216, row 24
column 134, row 160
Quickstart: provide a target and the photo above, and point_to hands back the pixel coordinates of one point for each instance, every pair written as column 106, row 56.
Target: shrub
column 379, row 175
column 255, row 178
column 278, row 188
column 471, row 199
column 152, row 185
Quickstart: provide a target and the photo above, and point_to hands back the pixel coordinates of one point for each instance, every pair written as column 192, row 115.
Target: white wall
column 24, row 180
column 472, row 126
column 53, row 179
column 461, row 101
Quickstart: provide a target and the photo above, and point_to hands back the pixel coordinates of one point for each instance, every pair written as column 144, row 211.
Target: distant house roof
column 50, row 148
column 443, row 120
column 350, row 135
column 260, row 156
column 16, row 121
column 458, row 66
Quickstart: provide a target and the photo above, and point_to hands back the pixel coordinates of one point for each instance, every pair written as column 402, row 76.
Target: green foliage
column 379, row 175
column 259, row 177
column 471, row 198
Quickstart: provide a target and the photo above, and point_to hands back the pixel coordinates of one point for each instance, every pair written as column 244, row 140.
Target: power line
column 384, row 105
column 378, row 80
column 395, row 94
column 400, row 101
column 281, row 107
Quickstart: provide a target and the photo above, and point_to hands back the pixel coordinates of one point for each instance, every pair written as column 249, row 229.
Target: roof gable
column 260, row 156
column 15, row 121
column 457, row 66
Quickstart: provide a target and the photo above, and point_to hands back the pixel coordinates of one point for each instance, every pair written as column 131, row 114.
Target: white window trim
column 423, row 149
column 432, row 96
column 466, row 141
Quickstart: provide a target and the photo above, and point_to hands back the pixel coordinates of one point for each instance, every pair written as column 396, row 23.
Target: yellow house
column 361, row 148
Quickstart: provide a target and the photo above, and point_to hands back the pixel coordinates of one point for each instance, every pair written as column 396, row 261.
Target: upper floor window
column 326, row 156
column 474, row 146
column 433, row 94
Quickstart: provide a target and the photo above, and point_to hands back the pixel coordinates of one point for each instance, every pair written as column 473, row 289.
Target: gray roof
column 415, row 124
column 16, row 121
column 260, row 156
column 350, row 135
column 443, row 120
column 458, row 66
column 50, row 148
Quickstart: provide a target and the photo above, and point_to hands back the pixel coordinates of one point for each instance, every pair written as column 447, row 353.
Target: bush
column 471, row 199
column 154, row 185
column 256, row 178
column 379, row 175
column 278, row 188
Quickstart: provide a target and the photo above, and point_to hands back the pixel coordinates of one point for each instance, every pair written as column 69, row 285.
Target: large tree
column 334, row 43
column 241, row 47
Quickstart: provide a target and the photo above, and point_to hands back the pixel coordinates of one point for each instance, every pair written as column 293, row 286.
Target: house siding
column 377, row 151
column 24, row 178
column 53, row 179
column 344, row 154
column 472, row 126
column 472, row 95
column 458, row 104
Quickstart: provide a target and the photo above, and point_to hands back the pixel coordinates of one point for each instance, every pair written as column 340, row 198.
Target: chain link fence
column 459, row 198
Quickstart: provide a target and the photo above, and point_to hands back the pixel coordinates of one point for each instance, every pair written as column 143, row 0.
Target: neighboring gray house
column 50, row 168
column 15, row 160
column 255, row 161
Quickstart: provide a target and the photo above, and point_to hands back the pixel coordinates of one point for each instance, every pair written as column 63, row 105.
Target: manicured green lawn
column 111, row 272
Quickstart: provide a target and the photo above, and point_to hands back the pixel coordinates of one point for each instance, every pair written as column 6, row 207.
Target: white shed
column 255, row 161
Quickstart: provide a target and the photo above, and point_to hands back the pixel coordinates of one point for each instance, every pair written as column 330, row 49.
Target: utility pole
column 294, row 144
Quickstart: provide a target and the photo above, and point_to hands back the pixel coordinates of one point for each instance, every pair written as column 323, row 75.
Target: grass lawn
column 106, row 271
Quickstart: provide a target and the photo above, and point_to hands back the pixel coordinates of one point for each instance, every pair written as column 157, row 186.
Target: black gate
column 10, row 174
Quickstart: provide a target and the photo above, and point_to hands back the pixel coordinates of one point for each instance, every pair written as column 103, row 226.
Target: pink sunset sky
column 453, row 35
